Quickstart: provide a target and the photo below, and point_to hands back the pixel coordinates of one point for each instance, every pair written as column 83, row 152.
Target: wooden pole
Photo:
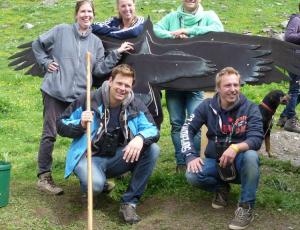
column 89, row 150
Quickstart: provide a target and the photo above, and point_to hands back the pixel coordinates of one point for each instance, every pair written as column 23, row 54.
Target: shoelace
column 241, row 213
column 50, row 181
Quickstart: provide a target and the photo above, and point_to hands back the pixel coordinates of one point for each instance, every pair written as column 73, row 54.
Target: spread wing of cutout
column 190, row 64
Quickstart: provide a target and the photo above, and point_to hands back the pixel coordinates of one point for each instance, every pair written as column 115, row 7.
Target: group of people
column 124, row 133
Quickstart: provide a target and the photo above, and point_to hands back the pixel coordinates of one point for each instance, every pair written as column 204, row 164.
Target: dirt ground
column 285, row 146
column 167, row 213
column 163, row 214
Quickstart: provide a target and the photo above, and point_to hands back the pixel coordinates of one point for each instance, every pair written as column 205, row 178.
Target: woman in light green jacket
column 187, row 21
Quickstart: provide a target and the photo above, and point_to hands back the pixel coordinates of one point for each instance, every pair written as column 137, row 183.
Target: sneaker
column 281, row 121
column 128, row 213
column 180, row 168
column 46, row 184
column 221, row 197
column 243, row 217
column 292, row 125
column 108, row 187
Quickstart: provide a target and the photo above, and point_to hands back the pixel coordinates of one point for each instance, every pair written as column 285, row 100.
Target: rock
column 267, row 30
column 224, row 7
column 247, row 32
column 4, row 5
column 284, row 146
column 49, row 2
column 279, row 36
column 28, row 26
column 284, row 24
column 160, row 11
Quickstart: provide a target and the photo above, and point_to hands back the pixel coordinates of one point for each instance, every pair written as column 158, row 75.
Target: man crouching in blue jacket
column 235, row 132
column 123, row 139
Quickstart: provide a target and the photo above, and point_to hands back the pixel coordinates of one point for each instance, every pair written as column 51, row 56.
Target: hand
column 195, row 165
column 183, row 36
column 52, row 67
column 125, row 47
column 133, row 149
column 181, row 33
column 227, row 157
column 86, row 116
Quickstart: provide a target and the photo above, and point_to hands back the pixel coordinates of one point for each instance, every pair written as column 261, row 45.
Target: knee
column 190, row 177
column 49, row 138
column 153, row 151
column 251, row 158
column 98, row 184
column 193, row 178
column 176, row 126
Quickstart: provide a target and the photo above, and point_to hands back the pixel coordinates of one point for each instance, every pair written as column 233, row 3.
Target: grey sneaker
column 180, row 168
column 243, row 217
column 128, row 213
column 292, row 125
column 221, row 197
column 46, row 184
column 281, row 121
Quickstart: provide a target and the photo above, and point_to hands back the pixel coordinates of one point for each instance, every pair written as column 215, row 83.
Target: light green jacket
column 196, row 24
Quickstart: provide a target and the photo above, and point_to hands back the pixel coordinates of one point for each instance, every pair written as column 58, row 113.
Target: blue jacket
column 243, row 122
column 113, row 28
column 138, row 121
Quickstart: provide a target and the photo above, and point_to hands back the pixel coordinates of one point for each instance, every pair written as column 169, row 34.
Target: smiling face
column 228, row 89
column 126, row 9
column 190, row 5
column 84, row 16
column 120, row 87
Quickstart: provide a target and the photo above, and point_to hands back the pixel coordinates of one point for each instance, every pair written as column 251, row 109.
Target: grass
column 21, row 120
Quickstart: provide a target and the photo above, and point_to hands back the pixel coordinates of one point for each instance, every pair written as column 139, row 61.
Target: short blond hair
column 125, row 70
column 226, row 71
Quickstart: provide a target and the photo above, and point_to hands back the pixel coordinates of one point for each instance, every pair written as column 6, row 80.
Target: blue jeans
column 109, row 167
column 247, row 166
column 181, row 104
column 294, row 92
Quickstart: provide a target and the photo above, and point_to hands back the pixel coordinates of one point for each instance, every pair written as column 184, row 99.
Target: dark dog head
column 276, row 97
column 284, row 100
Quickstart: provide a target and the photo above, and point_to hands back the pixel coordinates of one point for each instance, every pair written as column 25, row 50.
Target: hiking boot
column 292, row 125
column 221, row 197
column 108, row 187
column 243, row 217
column 46, row 184
column 180, row 168
column 128, row 213
column 281, row 121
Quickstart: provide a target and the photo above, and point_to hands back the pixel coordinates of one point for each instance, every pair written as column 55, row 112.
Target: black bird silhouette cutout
column 191, row 64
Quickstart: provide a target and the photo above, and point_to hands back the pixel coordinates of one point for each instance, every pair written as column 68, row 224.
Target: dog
column 267, row 108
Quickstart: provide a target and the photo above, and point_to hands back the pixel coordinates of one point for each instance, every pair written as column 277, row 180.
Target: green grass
column 21, row 119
